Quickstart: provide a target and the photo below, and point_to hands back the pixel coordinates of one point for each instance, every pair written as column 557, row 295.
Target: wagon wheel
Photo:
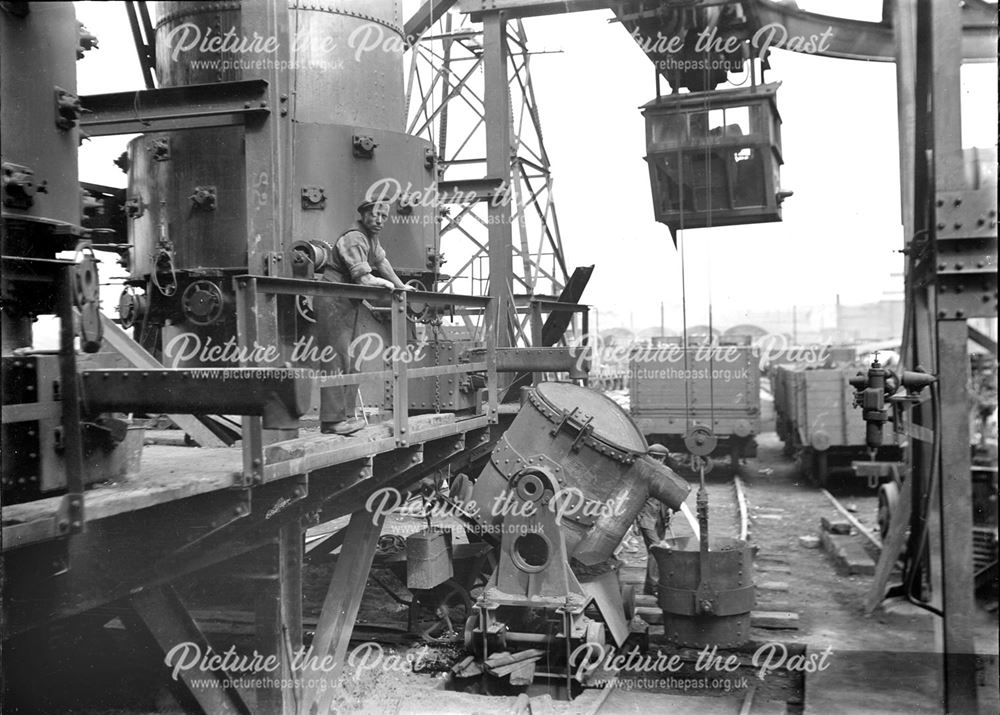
column 816, row 465
column 734, row 458
column 437, row 615
column 888, row 499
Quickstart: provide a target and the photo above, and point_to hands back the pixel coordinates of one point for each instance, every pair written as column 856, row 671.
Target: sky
column 840, row 233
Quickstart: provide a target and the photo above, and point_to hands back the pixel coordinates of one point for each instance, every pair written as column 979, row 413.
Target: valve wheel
column 417, row 311
column 304, row 308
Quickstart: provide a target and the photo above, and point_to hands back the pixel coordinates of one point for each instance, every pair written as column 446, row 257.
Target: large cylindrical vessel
column 39, row 113
column 188, row 189
column 584, row 442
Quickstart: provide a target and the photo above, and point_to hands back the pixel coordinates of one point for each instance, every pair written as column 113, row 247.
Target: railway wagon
column 816, row 420
column 718, row 387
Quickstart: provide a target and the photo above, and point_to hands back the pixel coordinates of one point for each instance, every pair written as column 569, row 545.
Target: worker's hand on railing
column 376, row 282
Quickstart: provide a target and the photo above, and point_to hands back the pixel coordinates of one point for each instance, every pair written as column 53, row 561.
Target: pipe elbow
column 661, row 482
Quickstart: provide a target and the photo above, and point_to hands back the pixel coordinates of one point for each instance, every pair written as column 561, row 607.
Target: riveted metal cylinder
column 595, row 455
column 706, row 597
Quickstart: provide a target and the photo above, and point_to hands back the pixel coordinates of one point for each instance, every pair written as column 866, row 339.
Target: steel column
column 955, row 499
column 71, row 422
column 939, row 169
column 497, row 105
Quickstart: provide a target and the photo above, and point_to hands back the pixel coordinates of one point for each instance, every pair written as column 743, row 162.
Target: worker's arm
column 353, row 250
column 384, row 268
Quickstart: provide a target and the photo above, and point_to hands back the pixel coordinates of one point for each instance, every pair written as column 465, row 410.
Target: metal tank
column 706, row 591
column 588, row 445
column 40, row 113
column 40, row 199
column 187, row 198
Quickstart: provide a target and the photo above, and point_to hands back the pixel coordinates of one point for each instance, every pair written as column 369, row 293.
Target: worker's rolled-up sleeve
column 352, row 248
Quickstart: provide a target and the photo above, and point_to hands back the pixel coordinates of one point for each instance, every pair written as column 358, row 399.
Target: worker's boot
column 343, row 427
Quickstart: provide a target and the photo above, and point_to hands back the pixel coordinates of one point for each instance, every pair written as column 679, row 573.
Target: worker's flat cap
column 369, row 205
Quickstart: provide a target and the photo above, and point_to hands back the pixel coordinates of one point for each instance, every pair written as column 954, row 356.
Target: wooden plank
column 848, row 554
column 775, row 620
column 340, row 607
column 168, row 473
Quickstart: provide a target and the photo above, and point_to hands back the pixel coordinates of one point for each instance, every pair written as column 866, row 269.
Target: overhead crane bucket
column 714, row 157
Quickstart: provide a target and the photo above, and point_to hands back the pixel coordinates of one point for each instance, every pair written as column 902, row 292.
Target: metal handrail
column 398, row 372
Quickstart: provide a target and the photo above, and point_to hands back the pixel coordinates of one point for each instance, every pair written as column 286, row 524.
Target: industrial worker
column 356, row 257
column 653, row 520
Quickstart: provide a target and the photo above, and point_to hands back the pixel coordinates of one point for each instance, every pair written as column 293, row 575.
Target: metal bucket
column 706, row 597
column 587, row 447
column 428, row 558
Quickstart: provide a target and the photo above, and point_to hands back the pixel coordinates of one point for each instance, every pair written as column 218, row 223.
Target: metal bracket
column 159, row 148
column 585, row 431
column 135, row 207
column 363, row 146
column 313, row 198
column 717, row 603
column 204, row 198
column 18, row 186
column 299, row 491
column 562, row 423
column 68, row 109
column 236, row 505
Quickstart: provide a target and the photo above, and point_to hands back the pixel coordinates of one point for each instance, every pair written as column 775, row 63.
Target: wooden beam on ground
column 340, row 607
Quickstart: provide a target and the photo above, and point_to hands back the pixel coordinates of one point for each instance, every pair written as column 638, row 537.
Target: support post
column 279, row 618
column 497, row 104
column 168, row 623
column 340, row 607
column 954, row 522
column 939, row 168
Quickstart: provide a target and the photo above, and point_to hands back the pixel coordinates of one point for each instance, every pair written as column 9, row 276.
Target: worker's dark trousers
column 336, row 319
column 651, row 536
